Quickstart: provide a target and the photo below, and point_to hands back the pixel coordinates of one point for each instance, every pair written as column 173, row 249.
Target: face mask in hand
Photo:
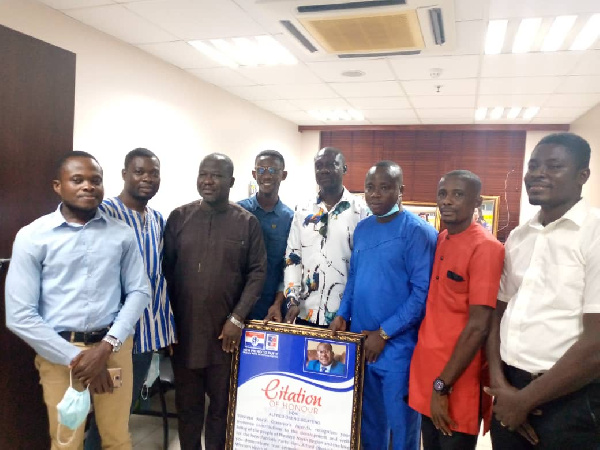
column 72, row 409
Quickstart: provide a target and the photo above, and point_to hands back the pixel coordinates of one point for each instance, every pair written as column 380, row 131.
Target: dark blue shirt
column 276, row 227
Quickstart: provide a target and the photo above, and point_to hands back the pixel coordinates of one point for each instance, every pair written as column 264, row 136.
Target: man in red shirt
column 448, row 363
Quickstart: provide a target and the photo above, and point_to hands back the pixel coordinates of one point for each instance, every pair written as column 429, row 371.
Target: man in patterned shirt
column 320, row 244
column 156, row 327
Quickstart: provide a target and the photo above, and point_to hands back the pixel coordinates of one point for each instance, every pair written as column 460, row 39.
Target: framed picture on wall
column 426, row 211
column 487, row 214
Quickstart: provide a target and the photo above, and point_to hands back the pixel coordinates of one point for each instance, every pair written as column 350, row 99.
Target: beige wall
column 588, row 127
column 126, row 98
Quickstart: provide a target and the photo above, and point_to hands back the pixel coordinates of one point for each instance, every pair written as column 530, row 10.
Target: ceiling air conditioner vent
column 349, row 5
column 288, row 25
column 367, row 33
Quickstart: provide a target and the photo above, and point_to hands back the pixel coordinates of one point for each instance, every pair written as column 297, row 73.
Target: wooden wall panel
column 425, row 155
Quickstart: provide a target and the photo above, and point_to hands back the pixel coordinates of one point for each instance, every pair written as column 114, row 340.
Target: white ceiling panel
column 298, row 73
column 400, row 114
column 548, row 120
column 180, row 54
column 380, row 103
column 304, row 91
column 447, row 121
column 502, row 9
column 70, row 4
column 253, row 92
column 276, row 105
column 507, row 100
column 402, row 121
column 446, row 113
column 447, row 87
column 374, row 89
column 559, row 113
column 521, row 85
column 420, row 68
column 579, row 84
column 297, row 116
column 121, row 23
column 321, row 103
column 529, row 64
column 589, row 64
column 444, row 101
column 374, row 69
column 469, row 38
column 468, row 10
column 198, row 19
column 222, row 77
column 573, row 100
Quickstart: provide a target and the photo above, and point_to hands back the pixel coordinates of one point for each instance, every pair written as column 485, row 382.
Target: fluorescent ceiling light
column 525, row 36
column 496, row 113
column 558, row 32
column 494, row 39
column 513, row 113
column 588, row 35
column 257, row 51
column 338, row 114
column 356, row 115
column 530, row 112
column 480, row 113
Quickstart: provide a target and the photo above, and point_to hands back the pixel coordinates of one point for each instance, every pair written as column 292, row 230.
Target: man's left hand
column 510, row 406
column 88, row 364
column 439, row 414
column 373, row 345
column 231, row 335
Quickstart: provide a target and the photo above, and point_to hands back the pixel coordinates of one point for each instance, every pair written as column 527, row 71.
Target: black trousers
column 433, row 439
column 569, row 422
column 191, row 386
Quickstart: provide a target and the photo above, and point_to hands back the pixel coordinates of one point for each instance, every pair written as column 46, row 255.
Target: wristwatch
column 441, row 387
column 114, row 342
column 384, row 335
column 236, row 322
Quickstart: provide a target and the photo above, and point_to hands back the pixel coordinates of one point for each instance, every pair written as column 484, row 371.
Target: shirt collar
column 576, row 214
column 57, row 219
column 254, row 205
column 346, row 195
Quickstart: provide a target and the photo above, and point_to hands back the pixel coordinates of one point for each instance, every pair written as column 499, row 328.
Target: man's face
column 80, row 184
column 268, row 183
column 329, row 169
column 142, row 177
column 552, row 177
column 381, row 191
column 214, row 181
column 325, row 354
column 457, row 200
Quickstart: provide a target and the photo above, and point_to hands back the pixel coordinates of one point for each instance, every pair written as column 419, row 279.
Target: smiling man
column 275, row 219
column 385, row 299
column 215, row 265
column 448, row 366
column 326, row 362
column 544, row 347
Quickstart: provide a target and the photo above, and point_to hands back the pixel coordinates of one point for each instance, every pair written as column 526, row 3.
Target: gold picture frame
column 428, row 211
column 487, row 215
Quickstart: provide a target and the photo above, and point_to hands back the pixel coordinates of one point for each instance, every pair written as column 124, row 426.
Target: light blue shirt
column 70, row 277
column 156, row 327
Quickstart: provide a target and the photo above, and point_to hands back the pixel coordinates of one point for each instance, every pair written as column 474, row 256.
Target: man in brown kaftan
column 215, row 265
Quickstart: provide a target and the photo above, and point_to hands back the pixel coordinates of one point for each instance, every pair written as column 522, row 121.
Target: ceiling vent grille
column 367, row 33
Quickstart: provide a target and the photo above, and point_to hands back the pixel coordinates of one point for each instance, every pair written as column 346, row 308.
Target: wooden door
column 37, row 95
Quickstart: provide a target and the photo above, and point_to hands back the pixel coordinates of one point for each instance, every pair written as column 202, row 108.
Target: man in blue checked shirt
column 275, row 220
column 156, row 327
column 75, row 289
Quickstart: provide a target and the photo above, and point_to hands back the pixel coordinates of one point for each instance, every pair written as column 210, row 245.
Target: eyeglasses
column 271, row 170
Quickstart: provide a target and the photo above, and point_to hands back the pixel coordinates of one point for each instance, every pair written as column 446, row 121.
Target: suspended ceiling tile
column 373, row 89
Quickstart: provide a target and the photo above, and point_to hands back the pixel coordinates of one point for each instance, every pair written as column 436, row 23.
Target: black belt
column 84, row 337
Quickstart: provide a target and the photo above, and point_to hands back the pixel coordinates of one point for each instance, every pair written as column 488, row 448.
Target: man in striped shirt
column 156, row 327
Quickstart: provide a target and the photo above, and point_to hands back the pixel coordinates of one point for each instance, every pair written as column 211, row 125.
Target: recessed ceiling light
column 353, row 73
column 558, row 32
column 513, row 113
column 494, row 39
column 588, row 35
column 257, row 51
column 496, row 113
column 525, row 36
column 337, row 114
column 480, row 113
column 530, row 112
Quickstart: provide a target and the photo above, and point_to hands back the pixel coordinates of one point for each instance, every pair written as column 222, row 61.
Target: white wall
column 126, row 98
column 588, row 127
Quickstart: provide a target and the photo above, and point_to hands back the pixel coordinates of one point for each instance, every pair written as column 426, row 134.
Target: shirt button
column 442, row 258
column 437, row 278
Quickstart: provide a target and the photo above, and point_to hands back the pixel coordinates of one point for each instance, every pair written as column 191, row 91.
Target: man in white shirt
column 544, row 347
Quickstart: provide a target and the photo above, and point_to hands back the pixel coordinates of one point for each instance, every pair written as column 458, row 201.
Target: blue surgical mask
column 73, row 409
column 394, row 210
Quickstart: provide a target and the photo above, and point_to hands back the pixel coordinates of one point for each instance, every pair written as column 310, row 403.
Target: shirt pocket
column 234, row 254
column 566, row 286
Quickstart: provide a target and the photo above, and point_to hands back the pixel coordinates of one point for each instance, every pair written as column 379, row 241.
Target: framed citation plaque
column 295, row 387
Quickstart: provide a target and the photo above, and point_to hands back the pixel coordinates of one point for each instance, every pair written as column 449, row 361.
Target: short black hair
column 473, row 180
column 67, row 156
column 335, row 151
column 221, row 157
column 577, row 146
column 272, row 154
column 393, row 167
column 140, row 151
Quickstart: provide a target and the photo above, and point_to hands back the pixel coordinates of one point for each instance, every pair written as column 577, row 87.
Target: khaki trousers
column 112, row 410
